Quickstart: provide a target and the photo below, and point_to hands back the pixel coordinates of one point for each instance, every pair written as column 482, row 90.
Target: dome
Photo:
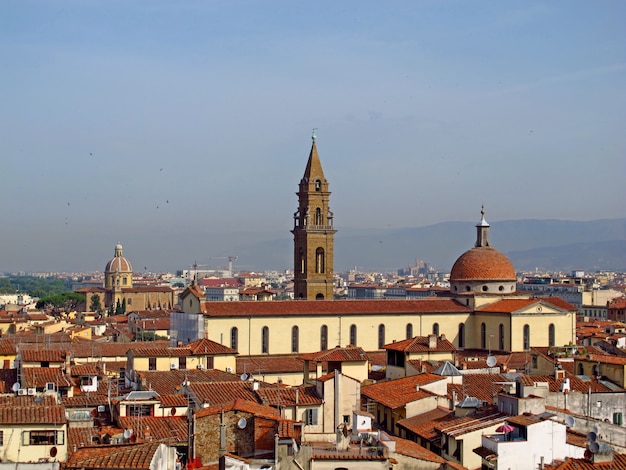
column 118, row 264
column 482, row 264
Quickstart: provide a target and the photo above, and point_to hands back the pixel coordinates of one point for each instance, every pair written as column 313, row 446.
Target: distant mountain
column 551, row 245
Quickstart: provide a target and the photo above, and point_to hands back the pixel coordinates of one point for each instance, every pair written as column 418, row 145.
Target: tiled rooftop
column 125, row 456
column 420, row 344
column 399, row 392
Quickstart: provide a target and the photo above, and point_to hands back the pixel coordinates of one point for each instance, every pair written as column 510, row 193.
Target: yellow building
column 118, row 289
column 481, row 310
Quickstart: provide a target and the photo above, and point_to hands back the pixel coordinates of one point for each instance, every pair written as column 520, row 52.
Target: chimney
column 297, row 396
column 432, row 341
column 453, row 401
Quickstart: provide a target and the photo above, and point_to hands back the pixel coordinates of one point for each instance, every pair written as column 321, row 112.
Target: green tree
column 118, row 308
column 124, row 305
column 95, row 305
column 62, row 303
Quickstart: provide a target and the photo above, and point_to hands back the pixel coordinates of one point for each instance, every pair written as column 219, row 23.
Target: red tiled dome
column 118, row 263
column 482, row 263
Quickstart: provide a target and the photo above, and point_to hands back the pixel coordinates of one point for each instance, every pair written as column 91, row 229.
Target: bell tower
column 313, row 234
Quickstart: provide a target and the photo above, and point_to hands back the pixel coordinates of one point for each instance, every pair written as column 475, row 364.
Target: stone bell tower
column 313, row 234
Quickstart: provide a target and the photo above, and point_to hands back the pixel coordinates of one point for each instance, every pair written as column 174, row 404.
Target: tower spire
column 313, row 233
column 482, row 230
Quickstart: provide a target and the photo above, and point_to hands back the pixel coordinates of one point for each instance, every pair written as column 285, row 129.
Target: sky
column 182, row 129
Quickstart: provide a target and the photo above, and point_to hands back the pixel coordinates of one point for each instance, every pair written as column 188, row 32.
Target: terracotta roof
column 618, row 463
column 43, row 355
column 306, row 395
column 125, row 456
column 244, row 406
column 86, row 399
column 399, row 392
column 576, row 384
column 39, row 376
column 472, row 422
column 482, row 263
column 206, row 346
column 332, row 307
column 416, row 451
column 85, row 369
column 420, row 344
column 423, row 424
column 160, row 429
column 219, row 393
column 52, row 414
column 337, row 354
column 168, row 382
column 267, row 364
column 27, row 400
column 484, row 387
column 168, row 401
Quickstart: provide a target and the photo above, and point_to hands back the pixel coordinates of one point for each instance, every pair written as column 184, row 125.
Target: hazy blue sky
column 179, row 128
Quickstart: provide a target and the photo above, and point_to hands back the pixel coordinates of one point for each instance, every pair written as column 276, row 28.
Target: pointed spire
column 314, row 166
column 482, row 231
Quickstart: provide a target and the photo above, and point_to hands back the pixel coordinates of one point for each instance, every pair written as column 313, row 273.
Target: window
column 302, row 261
column 409, row 330
column 152, row 363
column 461, row 335
column 124, row 280
column 295, row 339
column 534, row 361
column 318, row 216
column 346, row 418
column 319, row 260
column 43, row 438
column 483, row 336
column 581, row 369
column 265, row 340
column 551, row 340
column 436, row 329
column 617, row 418
column 501, row 337
column 209, row 362
column 526, row 338
column 323, row 338
column 381, row 336
column 182, row 362
column 310, row 417
column 318, row 185
column 234, row 337
column 1, row 438
column 353, row 335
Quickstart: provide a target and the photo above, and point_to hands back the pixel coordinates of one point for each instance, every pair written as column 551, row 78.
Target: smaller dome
column 118, row 264
column 482, row 264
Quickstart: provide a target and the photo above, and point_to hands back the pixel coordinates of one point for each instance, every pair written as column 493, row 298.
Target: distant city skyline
column 181, row 130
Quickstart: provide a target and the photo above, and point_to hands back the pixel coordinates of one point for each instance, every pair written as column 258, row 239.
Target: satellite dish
column 592, row 436
column 127, row 433
column 16, row 386
column 594, row 447
column 569, row 421
column 244, row 376
column 53, row 452
column 491, row 361
column 242, row 423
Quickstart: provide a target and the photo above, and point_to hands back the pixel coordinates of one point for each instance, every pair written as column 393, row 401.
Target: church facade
column 119, row 289
column 482, row 309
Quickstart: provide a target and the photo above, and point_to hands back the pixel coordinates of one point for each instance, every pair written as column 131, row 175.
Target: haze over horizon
column 184, row 128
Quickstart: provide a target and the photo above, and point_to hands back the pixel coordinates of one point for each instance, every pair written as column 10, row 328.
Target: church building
column 118, row 289
column 482, row 310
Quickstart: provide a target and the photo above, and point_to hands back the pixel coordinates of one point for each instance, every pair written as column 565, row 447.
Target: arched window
column 302, row 261
column 526, row 337
column 461, row 335
column 551, row 340
column 234, row 337
column 323, row 338
column 381, row 336
column 319, row 296
column 409, row 330
column 295, row 339
column 265, row 340
column 501, row 337
column 581, row 369
column 483, row 336
column 319, row 260
column 353, row 335
column 318, row 216
column 318, row 185
column 436, row 329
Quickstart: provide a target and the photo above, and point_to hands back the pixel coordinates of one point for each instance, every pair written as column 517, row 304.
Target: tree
column 118, row 308
column 124, row 305
column 62, row 303
column 95, row 305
